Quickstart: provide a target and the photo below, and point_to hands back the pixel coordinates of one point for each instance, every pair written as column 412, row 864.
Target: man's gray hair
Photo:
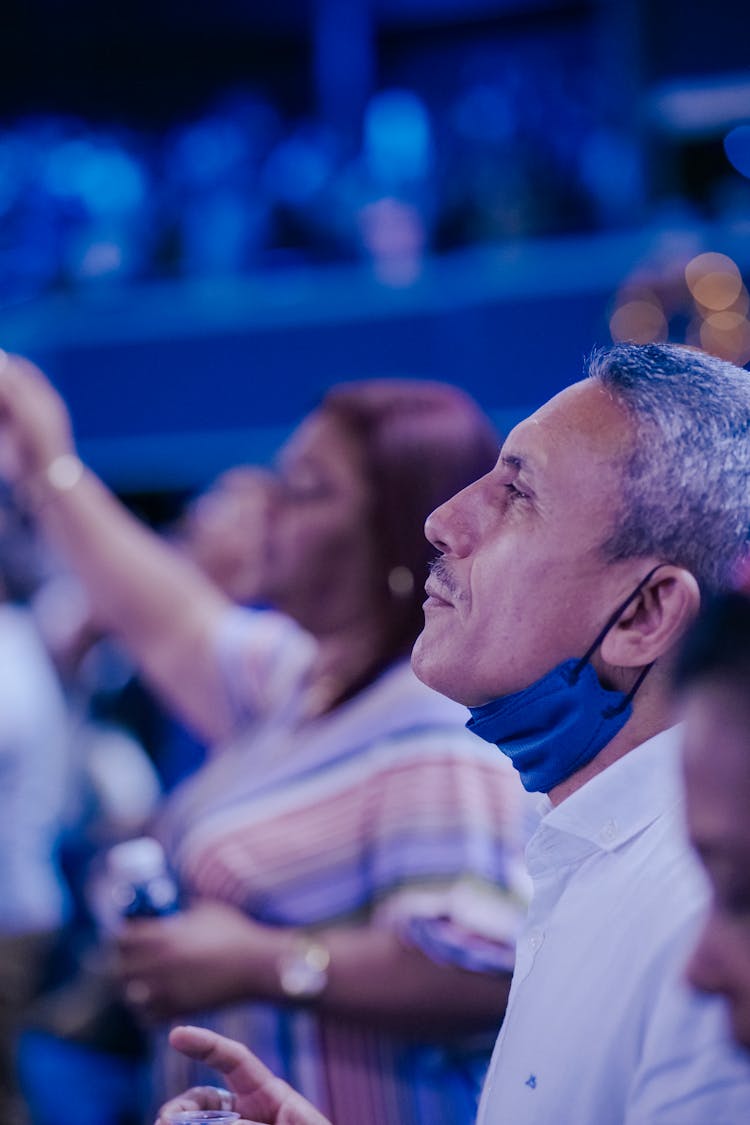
column 686, row 479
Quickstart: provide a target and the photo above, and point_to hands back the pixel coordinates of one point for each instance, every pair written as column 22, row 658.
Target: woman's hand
column 258, row 1095
column 209, row 955
column 161, row 607
column 35, row 426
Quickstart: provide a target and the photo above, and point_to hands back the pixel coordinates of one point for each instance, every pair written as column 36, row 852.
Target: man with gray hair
column 565, row 580
column 567, row 577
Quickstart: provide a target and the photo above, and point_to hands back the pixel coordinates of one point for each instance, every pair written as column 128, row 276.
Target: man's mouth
column 436, row 595
column 441, row 586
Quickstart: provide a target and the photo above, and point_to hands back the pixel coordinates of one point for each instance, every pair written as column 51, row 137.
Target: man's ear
column 655, row 620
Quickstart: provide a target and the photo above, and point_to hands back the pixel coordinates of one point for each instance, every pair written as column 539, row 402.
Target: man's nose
column 449, row 528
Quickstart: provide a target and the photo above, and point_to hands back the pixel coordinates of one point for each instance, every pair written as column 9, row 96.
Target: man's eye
column 515, row 493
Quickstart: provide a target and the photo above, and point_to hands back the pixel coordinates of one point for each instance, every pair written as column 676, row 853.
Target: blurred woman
column 350, row 858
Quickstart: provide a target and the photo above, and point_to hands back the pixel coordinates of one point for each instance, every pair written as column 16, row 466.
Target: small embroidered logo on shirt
column 531, row 1082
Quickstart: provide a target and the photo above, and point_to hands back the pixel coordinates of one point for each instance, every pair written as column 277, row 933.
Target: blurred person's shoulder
column 264, row 658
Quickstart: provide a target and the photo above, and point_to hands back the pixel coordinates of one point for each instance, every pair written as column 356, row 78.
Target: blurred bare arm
column 158, row 603
column 212, row 955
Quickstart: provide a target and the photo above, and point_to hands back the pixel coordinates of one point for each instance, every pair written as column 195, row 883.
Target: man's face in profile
column 522, row 582
column 717, row 779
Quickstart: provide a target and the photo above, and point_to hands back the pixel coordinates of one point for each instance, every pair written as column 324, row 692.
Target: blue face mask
column 557, row 725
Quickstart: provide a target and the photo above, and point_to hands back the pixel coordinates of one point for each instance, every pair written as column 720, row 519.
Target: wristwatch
column 303, row 969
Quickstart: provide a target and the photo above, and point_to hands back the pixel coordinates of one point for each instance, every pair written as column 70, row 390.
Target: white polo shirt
column 600, row 1027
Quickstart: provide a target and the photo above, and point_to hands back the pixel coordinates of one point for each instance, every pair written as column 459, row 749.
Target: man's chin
column 431, row 669
column 422, row 660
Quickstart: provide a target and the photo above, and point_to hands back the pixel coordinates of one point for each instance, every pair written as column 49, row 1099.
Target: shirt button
column 608, row 832
column 535, row 941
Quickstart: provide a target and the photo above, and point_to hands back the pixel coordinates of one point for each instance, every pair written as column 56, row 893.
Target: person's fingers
column 17, row 366
column 197, row 1097
column 10, row 370
column 261, row 1097
column 245, row 1073
column 139, row 935
column 26, row 394
column 178, row 1105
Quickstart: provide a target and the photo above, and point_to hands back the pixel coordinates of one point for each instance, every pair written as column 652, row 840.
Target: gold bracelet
column 64, row 472
column 61, row 475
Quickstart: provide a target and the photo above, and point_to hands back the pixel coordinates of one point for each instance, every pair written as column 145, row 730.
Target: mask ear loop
column 610, row 712
column 602, row 634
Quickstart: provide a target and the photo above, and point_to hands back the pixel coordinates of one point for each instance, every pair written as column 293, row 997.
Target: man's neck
column 650, row 717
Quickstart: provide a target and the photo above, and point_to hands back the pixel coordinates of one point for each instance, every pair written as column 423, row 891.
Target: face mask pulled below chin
column 558, row 724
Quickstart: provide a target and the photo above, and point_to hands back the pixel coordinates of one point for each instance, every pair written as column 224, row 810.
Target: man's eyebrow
column 516, row 461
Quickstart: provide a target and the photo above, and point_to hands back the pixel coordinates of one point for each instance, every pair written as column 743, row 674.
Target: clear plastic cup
column 202, row 1117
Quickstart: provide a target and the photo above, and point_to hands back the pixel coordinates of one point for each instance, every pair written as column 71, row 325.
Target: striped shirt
column 384, row 812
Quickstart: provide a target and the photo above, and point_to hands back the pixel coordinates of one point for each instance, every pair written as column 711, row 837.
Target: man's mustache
column 441, row 572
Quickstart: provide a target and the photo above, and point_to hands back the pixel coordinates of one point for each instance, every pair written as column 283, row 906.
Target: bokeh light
column 638, row 318
column 726, row 335
column 713, row 280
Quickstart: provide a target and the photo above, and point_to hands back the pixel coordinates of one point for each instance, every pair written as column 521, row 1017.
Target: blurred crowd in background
column 384, row 136
column 523, row 134
column 241, row 188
